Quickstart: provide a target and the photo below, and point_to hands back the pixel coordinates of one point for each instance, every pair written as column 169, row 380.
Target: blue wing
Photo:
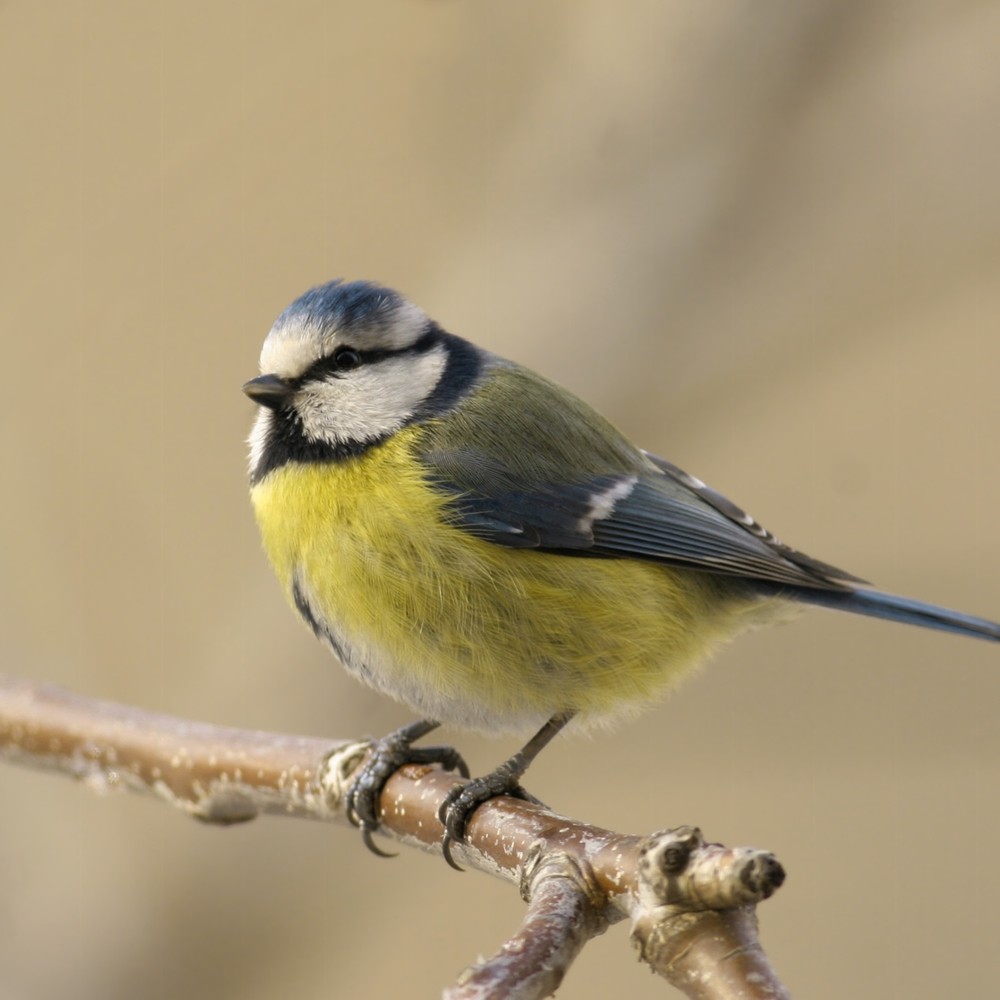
column 623, row 502
column 663, row 519
column 655, row 512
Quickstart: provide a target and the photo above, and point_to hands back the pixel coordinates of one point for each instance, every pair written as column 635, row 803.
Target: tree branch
column 691, row 903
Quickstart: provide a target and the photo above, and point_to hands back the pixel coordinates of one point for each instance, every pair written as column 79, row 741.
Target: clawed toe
column 388, row 755
column 462, row 801
column 395, row 750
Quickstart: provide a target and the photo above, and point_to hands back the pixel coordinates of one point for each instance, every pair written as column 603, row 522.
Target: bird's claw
column 388, row 754
column 462, row 801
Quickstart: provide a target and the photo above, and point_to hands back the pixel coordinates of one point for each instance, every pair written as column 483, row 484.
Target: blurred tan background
column 763, row 237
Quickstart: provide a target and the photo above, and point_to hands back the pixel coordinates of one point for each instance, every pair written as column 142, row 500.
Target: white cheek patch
column 370, row 401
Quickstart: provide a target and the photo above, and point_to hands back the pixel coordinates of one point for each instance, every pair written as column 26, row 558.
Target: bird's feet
column 388, row 755
column 463, row 800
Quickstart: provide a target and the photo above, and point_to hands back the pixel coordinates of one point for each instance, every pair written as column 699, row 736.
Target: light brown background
column 762, row 237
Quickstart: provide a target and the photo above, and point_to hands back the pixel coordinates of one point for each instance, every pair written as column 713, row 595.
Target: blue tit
column 477, row 542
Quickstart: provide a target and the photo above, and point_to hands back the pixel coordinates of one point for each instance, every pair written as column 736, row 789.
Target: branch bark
column 691, row 903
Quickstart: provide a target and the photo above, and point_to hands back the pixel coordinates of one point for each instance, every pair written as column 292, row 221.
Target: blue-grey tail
column 877, row 604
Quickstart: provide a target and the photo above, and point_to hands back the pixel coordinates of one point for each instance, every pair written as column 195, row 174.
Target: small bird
column 477, row 542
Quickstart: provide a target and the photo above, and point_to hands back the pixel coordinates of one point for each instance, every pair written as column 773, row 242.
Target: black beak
column 271, row 391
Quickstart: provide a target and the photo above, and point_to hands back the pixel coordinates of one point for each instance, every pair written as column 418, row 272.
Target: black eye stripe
column 329, row 365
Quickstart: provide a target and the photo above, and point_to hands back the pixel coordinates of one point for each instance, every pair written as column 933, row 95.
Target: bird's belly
column 469, row 632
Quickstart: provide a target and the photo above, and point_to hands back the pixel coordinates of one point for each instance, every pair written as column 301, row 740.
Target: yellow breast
column 466, row 631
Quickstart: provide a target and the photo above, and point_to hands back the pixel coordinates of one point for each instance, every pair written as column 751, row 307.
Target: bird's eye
column 346, row 359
